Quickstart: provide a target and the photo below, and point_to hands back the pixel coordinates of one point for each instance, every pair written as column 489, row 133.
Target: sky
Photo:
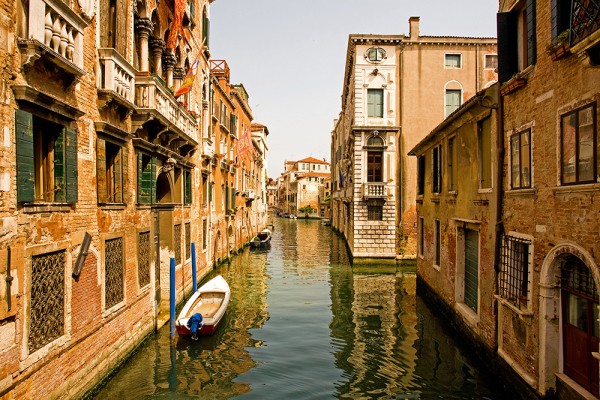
column 290, row 56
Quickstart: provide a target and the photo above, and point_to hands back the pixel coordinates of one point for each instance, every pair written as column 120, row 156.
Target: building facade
column 396, row 88
column 105, row 177
column 457, row 210
column 549, row 268
column 301, row 184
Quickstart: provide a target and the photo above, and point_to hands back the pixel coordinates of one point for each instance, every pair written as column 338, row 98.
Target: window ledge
column 435, row 198
column 513, row 85
column 481, row 202
column 470, row 316
column 112, row 206
column 47, row 207
column 521, row 313
column 144, row 206
column 582, row 188
column 437, row 267
column 521, row 192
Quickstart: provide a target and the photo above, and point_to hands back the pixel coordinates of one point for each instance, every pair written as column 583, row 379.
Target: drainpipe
column 499, row 198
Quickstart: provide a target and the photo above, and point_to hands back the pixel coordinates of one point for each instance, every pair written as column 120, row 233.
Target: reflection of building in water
column 374, row 319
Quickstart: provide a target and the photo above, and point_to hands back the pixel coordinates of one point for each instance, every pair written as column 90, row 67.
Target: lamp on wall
column 83, row 251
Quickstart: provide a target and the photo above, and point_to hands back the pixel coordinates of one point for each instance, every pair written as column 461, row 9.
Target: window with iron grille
column 113, row 270
column 188, row 240
column 375, row 213
column 514, row 270
column 47, row 299
column 144, row 258
column 204, row 233
column 177, row 243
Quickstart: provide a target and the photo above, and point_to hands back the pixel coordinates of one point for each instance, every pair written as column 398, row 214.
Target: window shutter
column 145, row 180
column 59, row 168
column 232, row 197
column 71, row 164
column 188, row 187
column 104, row 22
column 554, row 20
column 210, row 192
column 227, row 207
column 121, row 28
column 507, row 45
column 125, row 174
column 140, row 171
column 531, row 33
column 101, row 170
column 117, row 195
column 25, row 164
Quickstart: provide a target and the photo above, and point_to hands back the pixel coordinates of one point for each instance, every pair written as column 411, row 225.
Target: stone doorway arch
column 551, row 347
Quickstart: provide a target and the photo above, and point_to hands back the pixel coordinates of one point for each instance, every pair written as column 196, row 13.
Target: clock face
column 375, row 55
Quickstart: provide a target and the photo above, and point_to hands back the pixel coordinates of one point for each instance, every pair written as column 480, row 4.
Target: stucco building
column 301, row 184
column 396, row 89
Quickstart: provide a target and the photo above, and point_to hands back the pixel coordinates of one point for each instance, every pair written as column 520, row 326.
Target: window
column 561, row 20
column 453, row 100
column 484, row 142
column 146, row 179
column 188, row 240
column 585, row 21
column 113, row 272
column 437, row 169
column 187, row 187
column 491, row 61
column 374, row 166
column 144, row 258
column 451, row 165
column 578, row 145
column 375, row 213
column 112, row 24
column 46, row 160
column 421, row 236
column 177, row 243
column 375, row 55
column 205, row 27
column 204, row 233
column 453, row 61
column 520, row 152
column 375, row 103
column 421, row 175
column 516, row 39
column 47, row 307
column 471, row 268
column 438, row 242
column 514, row 270
column 204, row 190
column 111, row 167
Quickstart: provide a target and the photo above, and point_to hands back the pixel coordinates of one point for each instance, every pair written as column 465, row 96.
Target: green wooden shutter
column 124, row 174
column 227, row 205
column 232, row 197
column 25, row 163
column 187, row 187
column 71, row 164
column 507, row 45
column 210, row 192
column 101, row 170
column 140, row 169
column 531, row 33
column 146, row 178
column 471, row 268
column 60, row 179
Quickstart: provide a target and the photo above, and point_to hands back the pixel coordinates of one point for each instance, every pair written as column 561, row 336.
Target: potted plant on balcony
column 560, row 49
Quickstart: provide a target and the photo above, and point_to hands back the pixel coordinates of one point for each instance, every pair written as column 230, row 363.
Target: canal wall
column 486, row 354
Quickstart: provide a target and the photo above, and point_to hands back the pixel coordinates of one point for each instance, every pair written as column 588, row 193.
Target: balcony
column 156, row 102
column 249, row 195
column 116, row 79
column 59, row 39
column 374, row 190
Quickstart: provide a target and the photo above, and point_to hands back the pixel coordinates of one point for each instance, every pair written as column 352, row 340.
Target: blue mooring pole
column 194, row 268
column 172, row 296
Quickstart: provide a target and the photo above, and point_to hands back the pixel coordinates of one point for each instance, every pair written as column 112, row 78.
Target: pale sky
column 290, row 56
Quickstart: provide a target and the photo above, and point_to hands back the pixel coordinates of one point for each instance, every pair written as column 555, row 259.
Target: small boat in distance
column 210, row 301
column 261, row 240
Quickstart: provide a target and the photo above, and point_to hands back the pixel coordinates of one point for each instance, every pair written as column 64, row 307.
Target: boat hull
column 210, row 301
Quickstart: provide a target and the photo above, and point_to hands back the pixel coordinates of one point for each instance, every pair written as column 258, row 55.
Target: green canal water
column 302, row 324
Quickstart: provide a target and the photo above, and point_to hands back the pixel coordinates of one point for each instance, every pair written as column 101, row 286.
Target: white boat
column 210, row 301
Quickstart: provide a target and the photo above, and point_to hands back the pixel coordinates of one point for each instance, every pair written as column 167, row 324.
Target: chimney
column 413, row 23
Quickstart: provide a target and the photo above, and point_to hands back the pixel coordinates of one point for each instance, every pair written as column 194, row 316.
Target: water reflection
column 301, row 325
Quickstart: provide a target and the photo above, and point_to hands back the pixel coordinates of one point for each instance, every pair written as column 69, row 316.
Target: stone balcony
column 116, row 80
column 59, row 39
column 374, row 190
column 155, row 102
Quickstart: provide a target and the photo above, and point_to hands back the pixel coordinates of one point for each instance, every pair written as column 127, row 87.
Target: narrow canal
column 302, row 324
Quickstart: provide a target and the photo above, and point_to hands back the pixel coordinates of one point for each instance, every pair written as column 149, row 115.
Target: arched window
column 375, row 148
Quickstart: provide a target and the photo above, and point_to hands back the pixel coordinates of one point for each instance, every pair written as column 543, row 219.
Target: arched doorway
column 163, row 219
column 569, row 318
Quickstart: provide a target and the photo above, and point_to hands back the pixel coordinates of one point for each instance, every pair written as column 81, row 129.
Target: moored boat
column 210, row 301
column 262, row 239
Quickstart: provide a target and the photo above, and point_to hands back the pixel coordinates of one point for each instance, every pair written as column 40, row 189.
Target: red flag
column 188, row 81
column 177, row 24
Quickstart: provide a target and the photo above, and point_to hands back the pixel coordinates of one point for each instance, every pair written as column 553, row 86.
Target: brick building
column 396, row 89
column 103, row 180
